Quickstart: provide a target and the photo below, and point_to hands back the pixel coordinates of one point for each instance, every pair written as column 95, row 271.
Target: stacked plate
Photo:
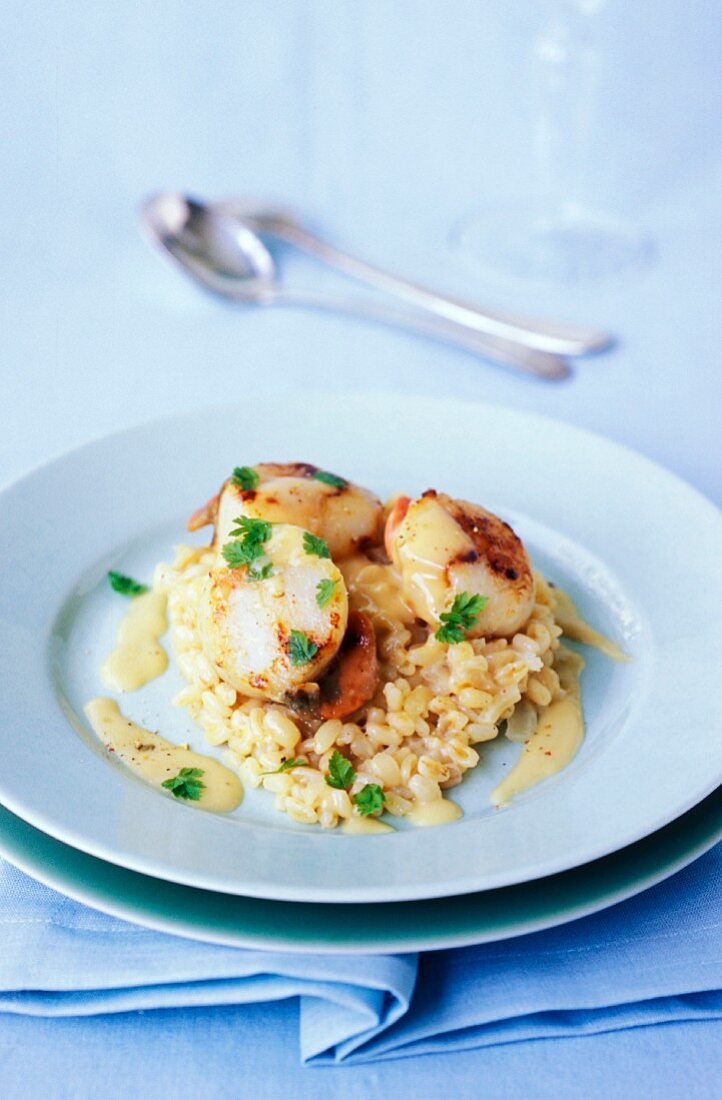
column 635, row 547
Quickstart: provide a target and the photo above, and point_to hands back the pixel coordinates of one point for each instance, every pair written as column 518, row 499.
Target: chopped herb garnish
column 235, row 554
column 341, row 773
column 464, row 613
column 370, row 799
column 301, row 649
column 126, row 586
column 245, row 477
column 330, row 479
column 324, row 591
column 260, row 572
column 251, row 535
column 312, row 544
column 294, row 762
column 187, row 784
column 251, row 529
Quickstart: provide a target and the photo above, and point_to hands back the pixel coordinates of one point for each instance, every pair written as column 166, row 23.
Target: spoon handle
column 508, row 353
column 534, row 333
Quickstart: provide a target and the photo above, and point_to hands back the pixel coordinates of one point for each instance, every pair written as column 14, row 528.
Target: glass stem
column 564, row 85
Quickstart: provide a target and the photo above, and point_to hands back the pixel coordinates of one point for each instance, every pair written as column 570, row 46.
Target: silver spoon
column 226, row 256
column 553, row 336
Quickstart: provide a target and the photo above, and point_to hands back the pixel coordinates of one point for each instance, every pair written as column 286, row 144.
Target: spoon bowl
column 222, row 253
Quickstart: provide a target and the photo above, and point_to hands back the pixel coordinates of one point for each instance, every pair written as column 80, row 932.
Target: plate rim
column 670, row 849
column 464, row 886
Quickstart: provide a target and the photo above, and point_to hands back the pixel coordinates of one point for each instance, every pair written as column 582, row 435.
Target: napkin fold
column 654, row 959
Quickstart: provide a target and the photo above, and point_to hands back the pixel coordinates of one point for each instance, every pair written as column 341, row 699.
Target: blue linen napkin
column 654, row 959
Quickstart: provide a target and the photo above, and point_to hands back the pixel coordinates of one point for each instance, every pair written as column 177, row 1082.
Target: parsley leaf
column 301, row 649
column 235, row 554
column 312, row 544
column 330, row 479
column 245, row 477
column 464, row 613
column 126, row 586
column 294, row 762
column 187, row 784
column 370, row 799
column 260, row 573
column 324, row 591
column 250, row 535
column 252, row 530
column 341, row 773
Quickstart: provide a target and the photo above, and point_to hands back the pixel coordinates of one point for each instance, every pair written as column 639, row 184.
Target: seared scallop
column 273, row 624
column 444, row 547
column 345, row 515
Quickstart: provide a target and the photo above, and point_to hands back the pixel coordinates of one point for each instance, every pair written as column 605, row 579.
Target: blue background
column 384, row 121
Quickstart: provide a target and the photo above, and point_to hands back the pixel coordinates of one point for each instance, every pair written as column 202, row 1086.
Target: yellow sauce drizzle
column 557, row 737
column 358, row 824
column 442, row 811
column 375, row 589
column 138, row 656
column 154, row 759
column 423, row 553
column 574, row 626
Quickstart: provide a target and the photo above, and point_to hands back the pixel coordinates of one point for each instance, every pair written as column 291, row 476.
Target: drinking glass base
column 505, row 240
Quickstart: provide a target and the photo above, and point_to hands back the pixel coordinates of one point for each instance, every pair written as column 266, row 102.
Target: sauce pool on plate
column 577, row 628
column 138, row 656
column 365, row 825
column 440, row 811
column 555, row 741
column 156, row 760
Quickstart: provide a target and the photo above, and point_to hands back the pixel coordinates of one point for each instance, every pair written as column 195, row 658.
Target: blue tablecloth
column 655, row 959
column 386, row 123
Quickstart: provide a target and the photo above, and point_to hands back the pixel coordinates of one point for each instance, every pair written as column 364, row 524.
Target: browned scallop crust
column 494, row 542
column 268, row 470
column 324, row 646
column 348, row 516
column 285, row 469
column 207, row 512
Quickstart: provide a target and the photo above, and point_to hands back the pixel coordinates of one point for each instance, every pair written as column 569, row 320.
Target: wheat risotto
column 352, row 657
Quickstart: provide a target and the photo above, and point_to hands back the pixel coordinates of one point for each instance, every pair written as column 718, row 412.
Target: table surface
column 384, row 124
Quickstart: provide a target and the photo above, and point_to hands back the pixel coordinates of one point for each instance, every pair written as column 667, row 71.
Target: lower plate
column 363, row 929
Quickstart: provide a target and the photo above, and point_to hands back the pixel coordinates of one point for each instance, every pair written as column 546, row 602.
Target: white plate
column 430, row 925
column 635, row 546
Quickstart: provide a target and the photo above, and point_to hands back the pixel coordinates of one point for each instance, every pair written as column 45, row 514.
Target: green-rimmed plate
column 363, row 929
